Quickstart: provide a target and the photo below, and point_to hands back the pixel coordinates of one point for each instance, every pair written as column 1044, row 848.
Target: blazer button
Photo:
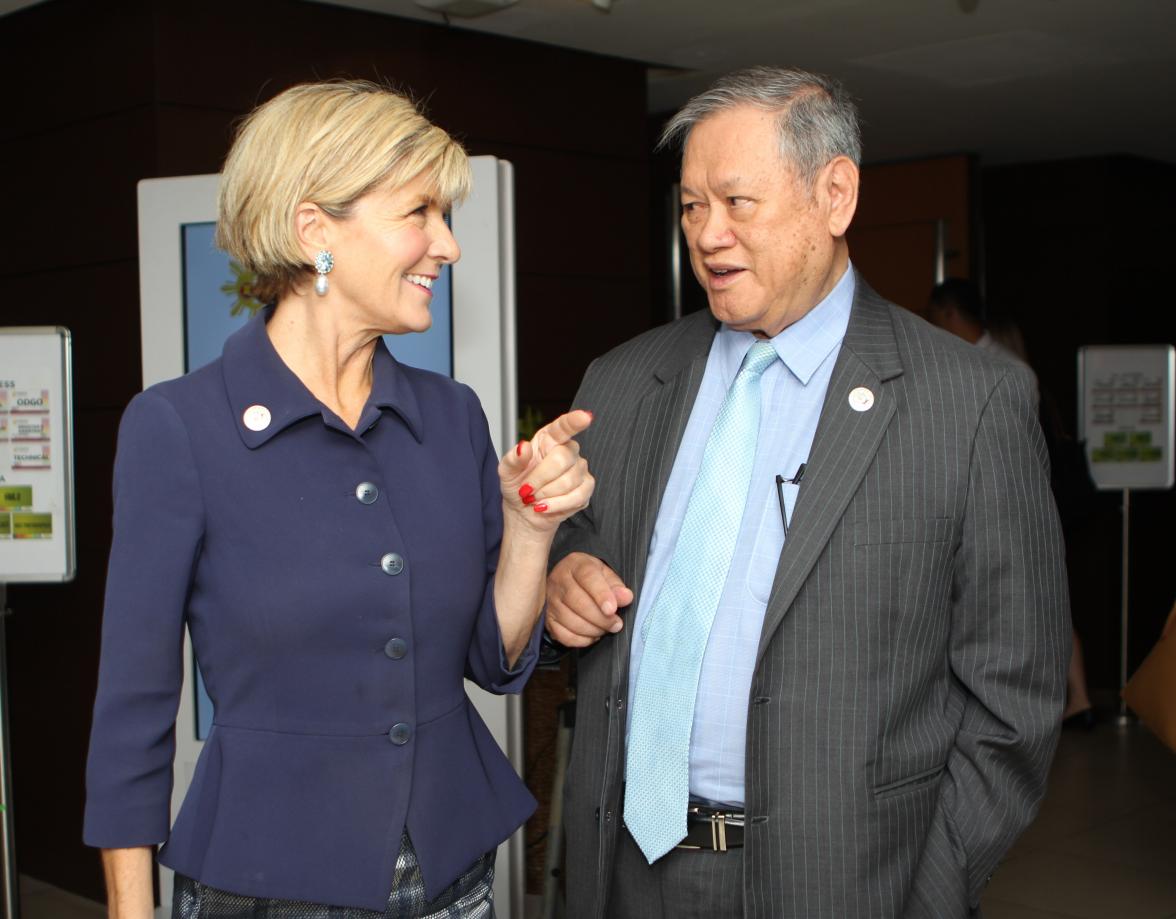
column 400, row 734
column 392, row 563
column 396, row 648
column 366, row 493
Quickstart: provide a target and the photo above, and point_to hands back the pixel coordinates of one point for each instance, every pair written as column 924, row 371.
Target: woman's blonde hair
column 330, row 144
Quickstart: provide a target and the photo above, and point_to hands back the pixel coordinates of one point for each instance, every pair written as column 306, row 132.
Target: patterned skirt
column 471, row 896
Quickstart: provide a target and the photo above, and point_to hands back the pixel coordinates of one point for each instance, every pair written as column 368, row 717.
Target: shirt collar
column 256, row 376
column 802, row 346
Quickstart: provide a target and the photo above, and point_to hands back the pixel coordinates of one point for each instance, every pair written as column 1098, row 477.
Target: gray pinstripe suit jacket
column 910, row 673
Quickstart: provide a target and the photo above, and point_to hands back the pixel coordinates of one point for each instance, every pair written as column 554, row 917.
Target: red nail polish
column 527, row 493
column 519, row 449
column 530, row 499
column 539, row 508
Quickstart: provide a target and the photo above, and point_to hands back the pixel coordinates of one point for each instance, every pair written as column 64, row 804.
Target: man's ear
column 839, row 186
column 312, row 227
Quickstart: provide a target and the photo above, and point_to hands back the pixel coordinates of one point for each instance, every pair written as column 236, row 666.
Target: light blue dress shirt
column 792, row 395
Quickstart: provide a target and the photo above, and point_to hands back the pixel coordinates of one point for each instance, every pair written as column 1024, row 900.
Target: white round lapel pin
column 256, row 417
column 861, row 399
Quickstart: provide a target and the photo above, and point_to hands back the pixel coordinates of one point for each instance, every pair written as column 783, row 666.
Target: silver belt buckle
column 717, row 820
column 718, row 824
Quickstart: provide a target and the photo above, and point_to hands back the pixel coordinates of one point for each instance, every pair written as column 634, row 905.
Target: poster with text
column 36, row 455
column 1126, row 403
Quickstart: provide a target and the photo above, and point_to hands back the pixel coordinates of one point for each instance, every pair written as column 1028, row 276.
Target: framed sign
column 1125, row 399
column 36, row 455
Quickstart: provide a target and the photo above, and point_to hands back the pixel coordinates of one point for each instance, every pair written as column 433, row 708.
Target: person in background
column 344, row 546
column 818, row 598
column 957, row 306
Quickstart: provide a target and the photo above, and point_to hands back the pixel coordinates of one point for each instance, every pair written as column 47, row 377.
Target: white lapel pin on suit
column 256, row 418
column 861, row 399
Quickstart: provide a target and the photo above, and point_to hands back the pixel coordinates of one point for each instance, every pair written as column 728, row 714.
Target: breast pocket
column 902, row 567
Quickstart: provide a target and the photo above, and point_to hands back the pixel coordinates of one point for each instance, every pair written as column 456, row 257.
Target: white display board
column 36, row 455
column 1125, row 415
column 482, row 351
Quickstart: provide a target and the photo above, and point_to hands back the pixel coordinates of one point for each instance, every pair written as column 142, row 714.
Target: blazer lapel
column 844, row 446
column 657, row 433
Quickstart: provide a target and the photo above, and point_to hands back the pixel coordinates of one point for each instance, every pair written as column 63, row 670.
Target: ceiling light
column 465, row 8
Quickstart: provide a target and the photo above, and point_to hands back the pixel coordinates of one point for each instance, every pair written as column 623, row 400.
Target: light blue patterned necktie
column 657, row 772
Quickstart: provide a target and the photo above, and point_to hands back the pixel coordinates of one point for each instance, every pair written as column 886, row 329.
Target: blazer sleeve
column 1009, row 635
column 486, row 662
column 158, row 528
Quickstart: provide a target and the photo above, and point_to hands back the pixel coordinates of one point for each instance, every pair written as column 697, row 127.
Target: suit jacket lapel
column 657, row 433
column 843, row 448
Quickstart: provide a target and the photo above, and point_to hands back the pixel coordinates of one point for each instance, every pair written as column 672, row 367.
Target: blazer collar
column 392, row 388
column 846, row 441
column 697, row 333
column 267, row 397
column 870, row 333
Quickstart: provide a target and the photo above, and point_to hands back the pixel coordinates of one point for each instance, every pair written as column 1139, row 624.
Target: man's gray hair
column 816, row 117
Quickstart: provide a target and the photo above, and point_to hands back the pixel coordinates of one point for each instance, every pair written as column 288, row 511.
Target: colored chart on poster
column 1126, row 395
column 36, row 455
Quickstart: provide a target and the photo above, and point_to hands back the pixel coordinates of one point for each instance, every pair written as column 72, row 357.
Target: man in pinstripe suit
column 879, row 695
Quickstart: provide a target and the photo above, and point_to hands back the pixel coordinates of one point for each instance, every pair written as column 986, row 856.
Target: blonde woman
column 344, row 546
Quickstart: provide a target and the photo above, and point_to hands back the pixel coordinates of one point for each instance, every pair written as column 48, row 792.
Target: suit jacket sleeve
column 486, row 663
column 158, row 527
column 581, row 532
column 1009, row 635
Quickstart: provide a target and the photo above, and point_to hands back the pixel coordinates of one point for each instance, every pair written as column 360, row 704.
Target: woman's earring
column 323, row 263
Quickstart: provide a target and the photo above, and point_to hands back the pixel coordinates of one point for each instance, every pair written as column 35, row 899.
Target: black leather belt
column 712, row 829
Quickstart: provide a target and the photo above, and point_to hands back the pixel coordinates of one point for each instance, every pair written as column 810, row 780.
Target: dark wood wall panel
column 100, row 305
column 70, row 61
column 77, row 202
column 893, row 237
column 1078, row 253
column 192, row 140
column 578, row 215
column 597, row 314
column 117, row 92
column 481, row 87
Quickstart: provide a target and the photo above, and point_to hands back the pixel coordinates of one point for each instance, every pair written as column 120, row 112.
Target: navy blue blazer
column 338, row 586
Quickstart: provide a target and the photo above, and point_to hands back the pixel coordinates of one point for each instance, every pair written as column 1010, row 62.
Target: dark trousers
column 683, row 884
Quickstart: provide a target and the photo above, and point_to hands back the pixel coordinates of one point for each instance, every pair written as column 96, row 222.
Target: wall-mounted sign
column 1126, row 399
column 36, row 455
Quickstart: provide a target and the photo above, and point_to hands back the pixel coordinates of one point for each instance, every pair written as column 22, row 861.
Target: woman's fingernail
column 519, row 449
column 588, row 413
column 527, row 493
column 539, row 508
